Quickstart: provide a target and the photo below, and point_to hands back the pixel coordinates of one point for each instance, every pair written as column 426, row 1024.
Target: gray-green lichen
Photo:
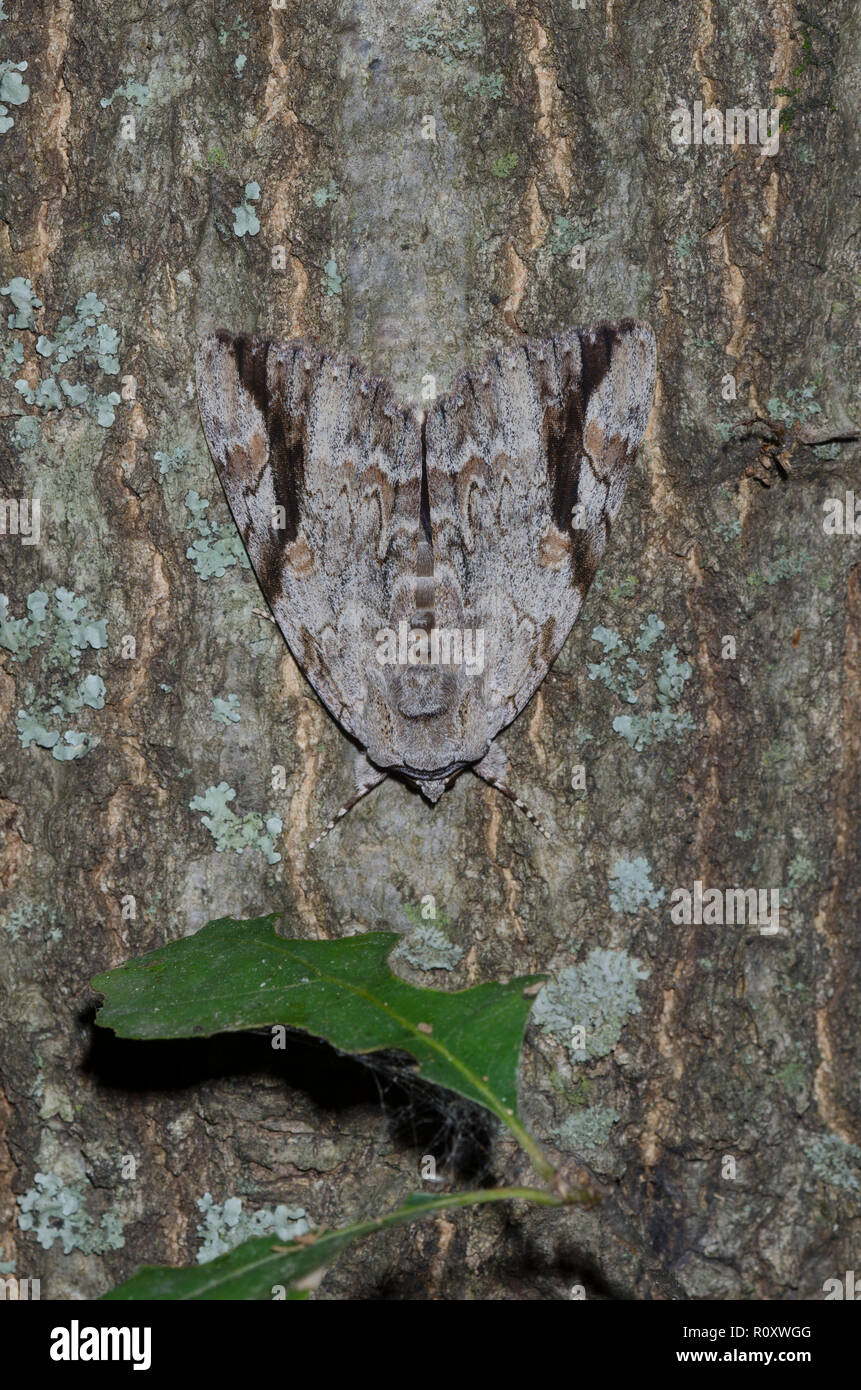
column 564, row 236
column 797, row 406
column 327, row 193
column 57, row 1212
column 801, row 871
column 171, row 462
column 238, row 27
column 504, row 166
column 685, row 244
column 245, row 219
column 488, row 85
column 587, row 1129
column 18, row 921
column 835, row 1161
column 80, row 341
column 226, row 711
column 64, row 630
column 596, row 995
column 788, row 562
column 12, row 90
column 26, row 432
column 631, row 886
column 24, row 302
column 426, row 947
column 230, row 831
column 138, row 93
column 226, row 1225
column 451, row 41
column 217, row 548
column 332, row 282
column 621, row 672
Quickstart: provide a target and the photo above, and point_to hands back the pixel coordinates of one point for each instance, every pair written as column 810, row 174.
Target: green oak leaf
column 234, row 975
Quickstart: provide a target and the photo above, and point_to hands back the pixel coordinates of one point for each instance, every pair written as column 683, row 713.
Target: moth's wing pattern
column 527, row 463
column 322, row 472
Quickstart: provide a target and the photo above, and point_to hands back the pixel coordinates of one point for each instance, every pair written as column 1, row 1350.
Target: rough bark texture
column 704, row 1044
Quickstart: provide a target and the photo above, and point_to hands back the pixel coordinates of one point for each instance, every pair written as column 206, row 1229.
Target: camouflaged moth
column 374, row 529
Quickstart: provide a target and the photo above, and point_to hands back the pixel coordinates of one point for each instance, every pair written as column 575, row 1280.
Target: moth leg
column 366, row 777
column 494, row 769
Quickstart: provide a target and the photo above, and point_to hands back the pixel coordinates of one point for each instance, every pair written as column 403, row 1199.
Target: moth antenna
column 520, row 804
column 347, row 806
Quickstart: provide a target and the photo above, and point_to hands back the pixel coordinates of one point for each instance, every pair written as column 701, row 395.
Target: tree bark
column 433, row 180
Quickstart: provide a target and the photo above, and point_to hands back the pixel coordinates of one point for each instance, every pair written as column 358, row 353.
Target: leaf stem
column 540, row 1162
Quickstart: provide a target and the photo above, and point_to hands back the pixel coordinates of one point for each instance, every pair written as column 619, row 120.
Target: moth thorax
column 424, row 594
column 424, row 616
column 424, row 559
column 424, row 619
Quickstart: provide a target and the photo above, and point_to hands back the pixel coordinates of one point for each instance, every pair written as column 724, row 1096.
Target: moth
column 425, row 568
